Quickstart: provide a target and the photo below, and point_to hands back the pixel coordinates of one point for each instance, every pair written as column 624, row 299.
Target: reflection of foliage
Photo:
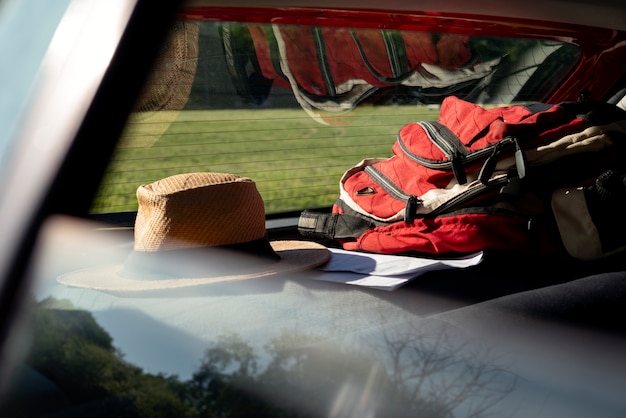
column 429, row 375
column 488, row 48
column 322, row 376
column 442, row 374
column 218, row 387
column 73, row 351
column 552, row 58
column 416, row 373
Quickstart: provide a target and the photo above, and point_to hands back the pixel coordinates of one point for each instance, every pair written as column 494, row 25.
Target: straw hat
column 196, row 229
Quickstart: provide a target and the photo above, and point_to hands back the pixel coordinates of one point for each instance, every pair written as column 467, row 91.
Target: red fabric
column 408, row 176
column 262, row 48
column 463, row 233
column 344, row 59
column 453, row 51
column 479, row 127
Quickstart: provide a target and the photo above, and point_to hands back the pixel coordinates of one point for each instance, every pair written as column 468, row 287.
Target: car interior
column 289, row 96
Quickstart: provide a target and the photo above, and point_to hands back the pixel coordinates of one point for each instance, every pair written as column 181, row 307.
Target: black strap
column 332, row 226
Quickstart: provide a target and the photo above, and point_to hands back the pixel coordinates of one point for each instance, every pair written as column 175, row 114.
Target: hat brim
column 294, row 256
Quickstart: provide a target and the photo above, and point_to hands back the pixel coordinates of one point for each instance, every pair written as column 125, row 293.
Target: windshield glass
column 25, row 33
column 293, row 106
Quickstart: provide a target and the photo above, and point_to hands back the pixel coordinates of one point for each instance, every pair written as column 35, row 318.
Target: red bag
column 475, row 179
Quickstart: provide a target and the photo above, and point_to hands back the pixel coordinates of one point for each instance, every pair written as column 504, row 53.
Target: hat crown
column 198, row 210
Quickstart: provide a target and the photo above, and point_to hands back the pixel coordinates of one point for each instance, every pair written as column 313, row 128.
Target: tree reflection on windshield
column 416, row 372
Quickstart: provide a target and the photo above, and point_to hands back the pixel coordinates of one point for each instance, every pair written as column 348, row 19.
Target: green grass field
column 295, row 161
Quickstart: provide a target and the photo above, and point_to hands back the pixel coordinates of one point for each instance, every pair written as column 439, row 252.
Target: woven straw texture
column 198, row 210
column 170, row 82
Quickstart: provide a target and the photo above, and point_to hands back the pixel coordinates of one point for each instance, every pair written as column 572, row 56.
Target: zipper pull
column 458, row 169
column 514, row 184
column 520, row 161
column 489, row 166
column 410, row 211
column 490, row 163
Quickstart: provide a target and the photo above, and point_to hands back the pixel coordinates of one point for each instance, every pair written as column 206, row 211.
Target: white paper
column 382, row 271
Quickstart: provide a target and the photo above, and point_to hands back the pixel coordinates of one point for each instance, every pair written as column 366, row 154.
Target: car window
column 26, row 46
column 294, row 106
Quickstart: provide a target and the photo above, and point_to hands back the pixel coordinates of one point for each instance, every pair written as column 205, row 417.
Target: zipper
column 469, row 195
column 397, row 56
column 457, row 155
column 448, row 143
column 320, row 49
column 490, row 163
column 387, row 184
column 412, row 201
